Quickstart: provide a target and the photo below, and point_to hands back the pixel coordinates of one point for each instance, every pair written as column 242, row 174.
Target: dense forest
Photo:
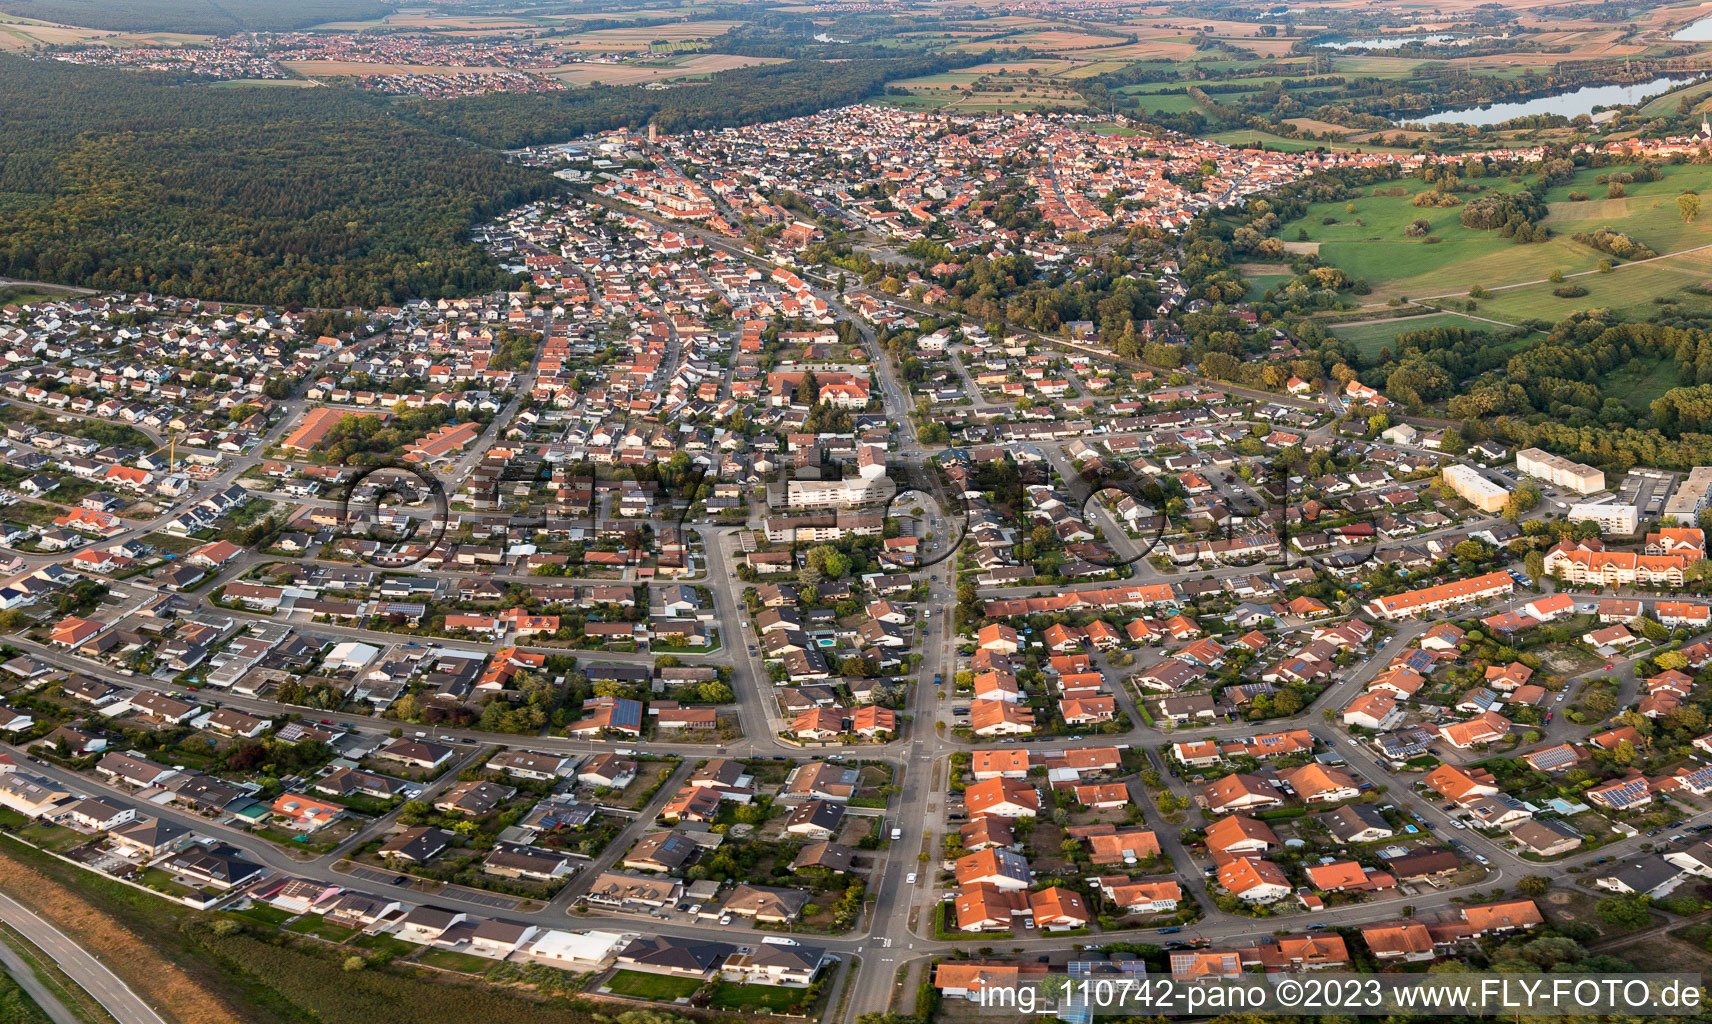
column 316, row 197
column 200, row 17
column 741, row 96
column 320, row 197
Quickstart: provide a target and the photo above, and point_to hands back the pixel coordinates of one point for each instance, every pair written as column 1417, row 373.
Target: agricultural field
column 673, row 69
column 1178, row 102
column 1000, row 86
column 1108, row 128
column 1370, row 243
column 989, row 87
column 1696, row 95
column 1285, row 144
column 18, row 33
column 456, row 22
column 641, row 38
column 1057, row 40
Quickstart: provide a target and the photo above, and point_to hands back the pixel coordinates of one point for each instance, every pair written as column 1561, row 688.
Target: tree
column 1688, row 204
column 1599, row 702
column 1547, row 951
column 1629, row 912
column 1533, row 886
column 714, row 691
column 408, row 708
column 1524, row 499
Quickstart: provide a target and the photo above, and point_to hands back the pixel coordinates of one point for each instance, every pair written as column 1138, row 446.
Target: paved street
column 89, row 973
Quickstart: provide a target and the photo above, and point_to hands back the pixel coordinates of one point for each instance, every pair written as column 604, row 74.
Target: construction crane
column 171, row 449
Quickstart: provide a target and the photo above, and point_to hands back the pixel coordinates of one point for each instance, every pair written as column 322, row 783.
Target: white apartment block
column 1555, row 469
column 1691, row 496
column 1612, row 518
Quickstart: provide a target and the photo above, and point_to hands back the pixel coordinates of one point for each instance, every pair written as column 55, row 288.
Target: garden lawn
column 271, row 916
column 452, row 960
column 775, row 998
column 640, row 985
column 314, row 924
column 386, row 944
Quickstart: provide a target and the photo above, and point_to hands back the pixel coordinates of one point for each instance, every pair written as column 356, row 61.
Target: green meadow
column 1370, row 242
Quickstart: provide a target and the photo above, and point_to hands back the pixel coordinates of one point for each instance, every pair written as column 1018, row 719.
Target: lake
column 1568, row 103
column 1383, row 42
column 1695, row 32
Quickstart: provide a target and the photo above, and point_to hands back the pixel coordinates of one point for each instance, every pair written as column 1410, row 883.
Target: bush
column 1569, row 291
column 1614, row 242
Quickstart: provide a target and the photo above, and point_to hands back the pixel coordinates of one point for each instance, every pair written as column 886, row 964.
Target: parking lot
column 1647, row 490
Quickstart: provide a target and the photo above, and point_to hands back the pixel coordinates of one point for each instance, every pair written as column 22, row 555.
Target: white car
column 910, row 880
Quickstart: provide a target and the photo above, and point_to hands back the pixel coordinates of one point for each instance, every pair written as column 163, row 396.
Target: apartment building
column 1612, row 518
column 1555, row 469
column 1692, row 495
column 1445, row 595
column 1475, row 489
